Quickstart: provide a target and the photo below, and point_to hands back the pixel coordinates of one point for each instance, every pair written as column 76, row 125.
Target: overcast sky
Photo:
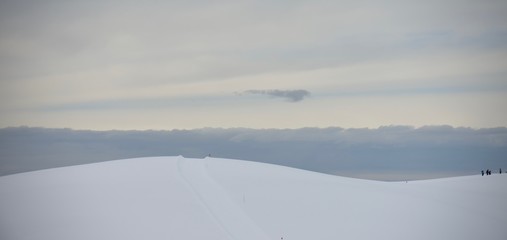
column 259, row 64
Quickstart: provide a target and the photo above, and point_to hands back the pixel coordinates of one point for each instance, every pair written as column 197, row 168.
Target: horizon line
column 411, row 127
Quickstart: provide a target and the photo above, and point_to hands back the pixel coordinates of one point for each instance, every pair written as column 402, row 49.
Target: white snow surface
column 211, row 198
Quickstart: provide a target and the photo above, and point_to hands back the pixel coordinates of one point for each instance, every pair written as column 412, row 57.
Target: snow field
column 180, row 198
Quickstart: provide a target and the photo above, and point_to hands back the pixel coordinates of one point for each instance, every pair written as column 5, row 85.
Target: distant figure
column 500, row 171
column 482, row 172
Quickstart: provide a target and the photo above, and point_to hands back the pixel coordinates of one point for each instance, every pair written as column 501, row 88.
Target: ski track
column 226, row 213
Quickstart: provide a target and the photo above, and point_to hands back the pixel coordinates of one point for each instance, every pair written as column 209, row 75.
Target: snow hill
column 180, row 198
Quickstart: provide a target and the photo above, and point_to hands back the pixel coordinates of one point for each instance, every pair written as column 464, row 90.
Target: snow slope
column 180, row 198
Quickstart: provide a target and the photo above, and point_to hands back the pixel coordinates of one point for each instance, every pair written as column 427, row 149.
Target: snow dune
column 180, row 198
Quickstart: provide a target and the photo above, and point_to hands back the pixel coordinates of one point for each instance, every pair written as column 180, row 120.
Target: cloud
column 386, row 153
column 289, row 95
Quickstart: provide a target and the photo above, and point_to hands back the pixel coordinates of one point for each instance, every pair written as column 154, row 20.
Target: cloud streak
column 289, row 95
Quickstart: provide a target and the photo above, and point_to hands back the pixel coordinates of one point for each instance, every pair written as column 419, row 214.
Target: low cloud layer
column 289, row 95
column 387, row 153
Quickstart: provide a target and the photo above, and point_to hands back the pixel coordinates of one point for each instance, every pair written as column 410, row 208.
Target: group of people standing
column 488, row 172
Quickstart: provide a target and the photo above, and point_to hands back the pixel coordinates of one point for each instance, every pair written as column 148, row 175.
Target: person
column 500, row 171
column 482, row 172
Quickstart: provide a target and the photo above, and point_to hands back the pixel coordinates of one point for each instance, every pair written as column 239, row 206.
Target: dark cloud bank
column 386, row 153
column 289, row 95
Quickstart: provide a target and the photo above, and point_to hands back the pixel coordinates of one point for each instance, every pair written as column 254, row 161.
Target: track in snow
column 228, row 215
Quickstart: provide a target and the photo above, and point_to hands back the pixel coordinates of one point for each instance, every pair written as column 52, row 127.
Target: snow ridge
column 160, row 198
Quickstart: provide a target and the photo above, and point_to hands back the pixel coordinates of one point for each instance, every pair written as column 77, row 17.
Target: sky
column 259, row 64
